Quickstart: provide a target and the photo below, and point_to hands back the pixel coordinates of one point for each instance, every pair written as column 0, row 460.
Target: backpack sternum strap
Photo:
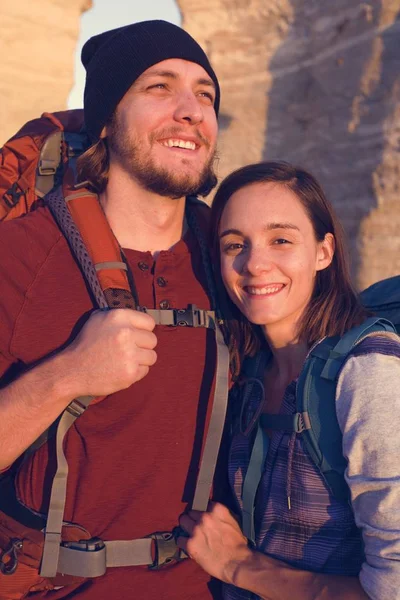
column 182, row 317
column 296, row 423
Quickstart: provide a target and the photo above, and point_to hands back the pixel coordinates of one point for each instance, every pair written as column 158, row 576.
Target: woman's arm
column 368, row 409
column 219, row 547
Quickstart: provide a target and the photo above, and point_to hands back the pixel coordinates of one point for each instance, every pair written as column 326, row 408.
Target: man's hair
column 334, row 307
column 93, row 166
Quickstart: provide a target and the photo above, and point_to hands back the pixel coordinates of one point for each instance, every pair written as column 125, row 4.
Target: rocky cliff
column 316, row 83
column 37, row 46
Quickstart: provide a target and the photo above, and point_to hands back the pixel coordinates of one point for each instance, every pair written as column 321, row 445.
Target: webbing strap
column 190, row 317
column 56, row 203
column 297, row 422
column 110, row 265
column 52, row 538
column 118, row 553
column 216, row 426
column 252, row 481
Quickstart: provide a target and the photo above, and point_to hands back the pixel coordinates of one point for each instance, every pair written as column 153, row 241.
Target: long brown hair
column 92, row 166
column 334, row 307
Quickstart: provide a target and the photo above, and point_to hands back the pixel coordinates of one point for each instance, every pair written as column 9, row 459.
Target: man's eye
column 281, row 241
column 208, row 96
column 160, row 86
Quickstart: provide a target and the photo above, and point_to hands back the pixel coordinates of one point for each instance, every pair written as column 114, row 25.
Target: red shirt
column 133, row 457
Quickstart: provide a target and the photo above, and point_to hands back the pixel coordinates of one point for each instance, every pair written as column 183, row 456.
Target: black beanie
column 115, row 59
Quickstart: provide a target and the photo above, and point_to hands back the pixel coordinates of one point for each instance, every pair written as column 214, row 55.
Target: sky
column 107, row 14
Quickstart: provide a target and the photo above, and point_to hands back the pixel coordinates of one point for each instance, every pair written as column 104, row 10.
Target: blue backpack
column 317, row 423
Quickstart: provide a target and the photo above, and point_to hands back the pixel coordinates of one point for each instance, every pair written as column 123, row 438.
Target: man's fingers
column 145, row 339
column 142, row 372
column 146, row 358
column 142, row 320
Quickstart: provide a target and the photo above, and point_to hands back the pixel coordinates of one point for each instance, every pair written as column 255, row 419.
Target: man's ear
column 326, row 250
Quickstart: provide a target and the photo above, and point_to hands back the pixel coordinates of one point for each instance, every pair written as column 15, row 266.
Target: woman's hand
column 216, row 542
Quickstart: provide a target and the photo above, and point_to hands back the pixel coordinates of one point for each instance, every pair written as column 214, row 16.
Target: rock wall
column 37, row 46
column 316, row 83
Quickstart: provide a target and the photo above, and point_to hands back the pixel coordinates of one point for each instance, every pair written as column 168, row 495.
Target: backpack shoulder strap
column 315, row 399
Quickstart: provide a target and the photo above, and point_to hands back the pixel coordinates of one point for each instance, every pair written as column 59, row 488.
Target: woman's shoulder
column 382, row 342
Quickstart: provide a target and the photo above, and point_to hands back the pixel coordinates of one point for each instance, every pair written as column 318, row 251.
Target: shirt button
column 143, row 266
column 164, row 304
column 161, row 281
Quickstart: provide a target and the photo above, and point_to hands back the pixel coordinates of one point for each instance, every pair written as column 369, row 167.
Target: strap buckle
column 167, row 552
column 93, row 544
column 189, row 317
column 9, row 566
column 13, row 195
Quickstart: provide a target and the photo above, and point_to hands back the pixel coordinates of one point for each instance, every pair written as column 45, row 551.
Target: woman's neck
column 288, row 352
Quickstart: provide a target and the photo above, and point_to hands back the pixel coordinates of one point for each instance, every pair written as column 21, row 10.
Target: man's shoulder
column 29, row 238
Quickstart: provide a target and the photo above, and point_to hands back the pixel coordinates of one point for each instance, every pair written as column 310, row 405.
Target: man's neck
column 142, row 220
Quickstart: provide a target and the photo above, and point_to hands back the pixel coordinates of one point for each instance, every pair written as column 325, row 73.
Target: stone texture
column 37, row 46
column 316, row 83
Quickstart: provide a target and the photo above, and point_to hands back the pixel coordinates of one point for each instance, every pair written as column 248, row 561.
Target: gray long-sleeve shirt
column 368, row 410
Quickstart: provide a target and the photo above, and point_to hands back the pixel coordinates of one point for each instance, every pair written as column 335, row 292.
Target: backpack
column 37, row 168
column 315, row 421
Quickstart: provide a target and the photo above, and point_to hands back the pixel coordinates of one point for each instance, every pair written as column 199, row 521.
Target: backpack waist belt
column 91, row 558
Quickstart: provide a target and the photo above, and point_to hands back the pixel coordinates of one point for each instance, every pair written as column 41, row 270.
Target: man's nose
column 188, row 109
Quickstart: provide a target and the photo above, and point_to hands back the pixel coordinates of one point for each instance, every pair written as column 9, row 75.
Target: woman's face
column 269, row 253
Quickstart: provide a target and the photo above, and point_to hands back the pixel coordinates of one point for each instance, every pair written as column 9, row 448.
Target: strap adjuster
column 167, row 552
column 93, row 544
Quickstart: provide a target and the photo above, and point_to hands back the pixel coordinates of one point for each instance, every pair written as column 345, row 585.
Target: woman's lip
column 263, row 291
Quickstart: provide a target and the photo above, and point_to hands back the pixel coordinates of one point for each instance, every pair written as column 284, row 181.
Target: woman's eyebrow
column 271, row 226
column 230, row 231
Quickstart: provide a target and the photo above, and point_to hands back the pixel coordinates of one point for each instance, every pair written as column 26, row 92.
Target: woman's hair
column 334, row 307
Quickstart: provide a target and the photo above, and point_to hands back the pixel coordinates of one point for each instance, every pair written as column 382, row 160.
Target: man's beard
column 153, row 177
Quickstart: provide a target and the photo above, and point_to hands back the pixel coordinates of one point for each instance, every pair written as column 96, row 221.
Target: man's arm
column 113, row 350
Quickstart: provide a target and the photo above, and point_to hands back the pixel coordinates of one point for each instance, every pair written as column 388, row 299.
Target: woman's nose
column 258, row 260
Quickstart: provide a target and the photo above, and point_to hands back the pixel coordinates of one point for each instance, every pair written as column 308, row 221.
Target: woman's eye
column 234, row 247
column 159, row 86
column 281, row 241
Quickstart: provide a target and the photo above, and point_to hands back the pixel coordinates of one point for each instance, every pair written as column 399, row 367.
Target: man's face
column 164, row 130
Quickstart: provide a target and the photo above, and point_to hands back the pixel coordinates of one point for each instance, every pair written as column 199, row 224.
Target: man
column 151, row 105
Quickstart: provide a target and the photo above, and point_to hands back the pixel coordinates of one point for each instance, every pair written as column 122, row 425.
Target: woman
column 281, row 254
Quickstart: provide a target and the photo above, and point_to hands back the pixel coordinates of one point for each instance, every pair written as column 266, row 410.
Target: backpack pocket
column 21, row 551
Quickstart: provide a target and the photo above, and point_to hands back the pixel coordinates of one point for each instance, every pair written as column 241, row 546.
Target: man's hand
column 113, row 350
column 216, row 542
